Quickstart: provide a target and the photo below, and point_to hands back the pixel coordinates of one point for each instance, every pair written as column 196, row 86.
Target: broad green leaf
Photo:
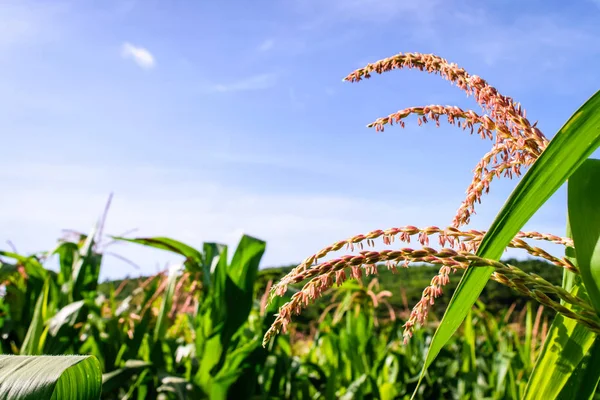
column 32, row 266
column 86, row 270
column 575, row 141
column 161, row 323
column 561, row 368
column 7, row 269
column 50, row 377
column 34, row 339
column 468, row 352
column 66, row 252
column 584, row 224
column 242, row 272
column 213, row 253
column 584, row 216
column 388, row 391
column 193, row 258
column 584, row 380
column 225, row 311
column 65, row 316
column 565, row 347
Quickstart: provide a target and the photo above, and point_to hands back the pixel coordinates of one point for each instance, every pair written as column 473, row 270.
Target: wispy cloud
column 294, row 225
column 256, row 82
column 336, row 12
column 23, row 22
column 268, row 45
column 552, row 39
column 139, row 55
column 194, row 210
column 386, row 9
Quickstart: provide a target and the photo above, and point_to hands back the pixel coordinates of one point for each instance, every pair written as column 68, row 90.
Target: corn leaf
column 32, row 266
column 564, row 349
column 224, row 312
column 161, row 323
column 584, row 380
column 67, row 253
column 193, row 258
column 66, row 316
column 86, row 270
column 213, row 254
column 33, row 343
column 50, row 377
column 571, row 146
column 565, row 365
column 584, row 217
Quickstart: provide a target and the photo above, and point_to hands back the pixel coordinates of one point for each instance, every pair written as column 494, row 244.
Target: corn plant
column 50, row 377
column 567, row 363
column 147, row 342
column 221, row 346
column 180, row 333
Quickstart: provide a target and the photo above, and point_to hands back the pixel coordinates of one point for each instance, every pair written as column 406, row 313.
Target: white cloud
column 266, row 45
column 139, row 55
column 256, row 82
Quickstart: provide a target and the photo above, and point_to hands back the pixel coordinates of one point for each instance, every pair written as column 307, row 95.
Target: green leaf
column 50, row 377
column 7, row 270
column 584, row 380
column 32, row 266
column 193, row 258
column 565, row 347
column 161, row 323
column 86, row 270
column 566, row 364
column 560, row 365
column 67, row 316
column 584, row 217
column 225, row 311
column 66, row 252
column 571, row 363
column 242, row 273
column 213, row 253
column 468, row 351
column 575, row 141
column 34, row 339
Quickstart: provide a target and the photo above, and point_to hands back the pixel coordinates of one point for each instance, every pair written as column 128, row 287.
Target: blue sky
column 210, row 119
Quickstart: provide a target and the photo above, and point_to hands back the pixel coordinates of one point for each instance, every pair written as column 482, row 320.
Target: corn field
column 175, row 336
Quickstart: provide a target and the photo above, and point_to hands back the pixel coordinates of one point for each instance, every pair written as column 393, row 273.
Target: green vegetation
column 168, row 336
